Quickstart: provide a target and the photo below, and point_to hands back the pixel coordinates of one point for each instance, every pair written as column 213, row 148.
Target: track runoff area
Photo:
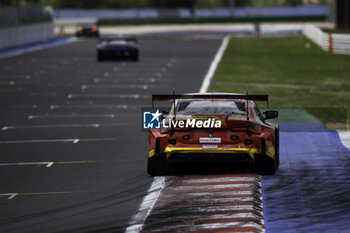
column 69, row 161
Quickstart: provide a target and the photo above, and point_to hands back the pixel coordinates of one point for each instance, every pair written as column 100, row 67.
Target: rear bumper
column 220, row 154
column 121, row 53
column 87, row 34
column 210, row 158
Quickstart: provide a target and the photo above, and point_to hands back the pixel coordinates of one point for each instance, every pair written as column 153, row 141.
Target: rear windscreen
column 227, row 107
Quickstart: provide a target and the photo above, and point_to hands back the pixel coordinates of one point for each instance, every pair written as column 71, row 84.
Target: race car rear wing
column 111, row 38
column 164, row 97
column 173, row 97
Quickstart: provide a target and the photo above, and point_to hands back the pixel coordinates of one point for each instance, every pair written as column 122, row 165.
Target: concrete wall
column 26, row 34
column 104, row 13
column 14, row 16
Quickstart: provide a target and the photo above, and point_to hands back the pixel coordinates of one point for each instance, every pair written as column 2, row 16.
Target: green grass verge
column 124, row 22
column 292, row 70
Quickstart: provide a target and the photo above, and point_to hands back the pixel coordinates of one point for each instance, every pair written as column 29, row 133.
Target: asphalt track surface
column 73, row 157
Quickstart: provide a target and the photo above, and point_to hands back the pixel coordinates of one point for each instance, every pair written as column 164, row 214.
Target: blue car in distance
column 117, row 48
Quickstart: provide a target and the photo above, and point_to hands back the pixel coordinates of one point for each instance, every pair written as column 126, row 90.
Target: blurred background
column 65, row 15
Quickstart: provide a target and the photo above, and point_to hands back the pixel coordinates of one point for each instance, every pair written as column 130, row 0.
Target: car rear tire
column 100, row 57
column 277, row 147
column 157, row 166
column 135, row 57
column 265, row 165
column 277, row 160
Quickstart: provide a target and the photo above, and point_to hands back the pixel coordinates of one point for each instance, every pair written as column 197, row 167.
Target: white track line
column 214, row 64
column 72, row 116
column 9, row 195
column 82, row 106
column 10, row 127
column 48, row 164
column 345, row 138
column 148, row 202
column 12, row 196
column 120, row 96
column 119, row 86
column 38, row 47
column 73, row 140
column 40, row 141
column 146, row 206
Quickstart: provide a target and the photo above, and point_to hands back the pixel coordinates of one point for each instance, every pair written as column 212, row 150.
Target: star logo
column 155, row 115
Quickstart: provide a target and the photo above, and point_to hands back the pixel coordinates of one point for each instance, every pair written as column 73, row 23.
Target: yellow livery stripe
column 250, row 151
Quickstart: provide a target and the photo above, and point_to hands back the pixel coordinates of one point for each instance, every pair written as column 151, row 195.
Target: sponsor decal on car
column 192, row 123
column 209, row 140
column 226, row 147
column 209, row 147
column 152, row 120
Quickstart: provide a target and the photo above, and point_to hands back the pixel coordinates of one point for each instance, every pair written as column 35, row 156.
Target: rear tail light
column 257, row 129
column 80, row 29
column 93, row 29
column 131, row 48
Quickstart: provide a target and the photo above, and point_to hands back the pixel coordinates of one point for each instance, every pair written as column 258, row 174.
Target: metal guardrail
column 330, row 42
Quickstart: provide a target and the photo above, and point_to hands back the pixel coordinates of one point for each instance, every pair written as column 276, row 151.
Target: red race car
column 210, row 127
column 87, row 31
